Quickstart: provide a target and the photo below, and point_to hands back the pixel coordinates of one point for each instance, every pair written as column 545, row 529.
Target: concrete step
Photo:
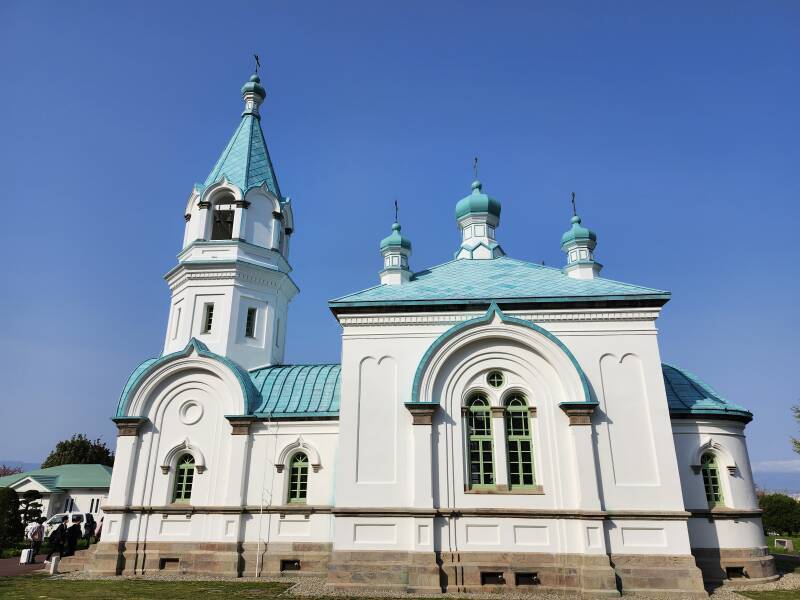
column 77, row 561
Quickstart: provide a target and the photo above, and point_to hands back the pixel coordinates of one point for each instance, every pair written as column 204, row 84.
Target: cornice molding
column 413, row 319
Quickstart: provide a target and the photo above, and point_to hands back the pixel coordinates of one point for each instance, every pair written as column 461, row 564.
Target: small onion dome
column 580, row 234
column 477, row 202
column 254, row 85
column 395, row 239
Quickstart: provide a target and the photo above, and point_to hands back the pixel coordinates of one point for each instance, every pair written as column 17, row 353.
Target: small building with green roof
column 493, row 423
column 65, row 488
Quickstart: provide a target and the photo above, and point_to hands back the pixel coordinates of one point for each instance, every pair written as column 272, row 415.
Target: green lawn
column 776, row 595
column 43, row 588
column 774, row 550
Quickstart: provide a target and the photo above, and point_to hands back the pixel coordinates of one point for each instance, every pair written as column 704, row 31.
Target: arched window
column 222, row 219
column 518, row 442
column 298, row 479
column 479, row 437
column 184, row 477
column 711, row 481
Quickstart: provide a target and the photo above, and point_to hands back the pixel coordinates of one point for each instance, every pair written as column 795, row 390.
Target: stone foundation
column 659, row 575
column 471, row 572
column 736, row 566
column 210, row 558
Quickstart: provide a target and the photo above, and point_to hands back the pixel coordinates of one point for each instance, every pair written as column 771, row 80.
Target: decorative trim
column 204, row 204
column 631, row 515
column 240, row 425
column 725, row 459
column 187, row 217
column 579, row 413
column 536, row 490
column 299, row 445
column 532, row 411
column 129, row 426
column 497, row 411
column 242, row 204
column 184, row 446
column 724, row 513
column 278, row 216
column 371, row 320
column 422, row 412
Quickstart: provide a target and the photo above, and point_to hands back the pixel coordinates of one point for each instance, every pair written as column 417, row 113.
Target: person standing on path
column 73, row 535
column 57, row 538
column 36, row 535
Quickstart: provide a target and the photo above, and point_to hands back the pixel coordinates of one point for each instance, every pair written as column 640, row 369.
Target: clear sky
column 675, row 123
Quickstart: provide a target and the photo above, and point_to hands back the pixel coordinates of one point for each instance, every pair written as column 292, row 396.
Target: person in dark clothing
column 57, row 538
column 73, row 535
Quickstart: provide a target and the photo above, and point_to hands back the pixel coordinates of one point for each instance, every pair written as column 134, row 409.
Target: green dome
column 579, row 233
column 254, row 85
column 477, row 202
column 396, row 239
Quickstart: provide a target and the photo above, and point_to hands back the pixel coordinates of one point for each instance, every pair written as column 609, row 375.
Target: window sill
column 536, row 490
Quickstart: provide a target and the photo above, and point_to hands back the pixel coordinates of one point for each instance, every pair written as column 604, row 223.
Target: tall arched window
column 518, row 442
column 479, row 437
column 184, row 477
column 298, row 479
column 711, row 481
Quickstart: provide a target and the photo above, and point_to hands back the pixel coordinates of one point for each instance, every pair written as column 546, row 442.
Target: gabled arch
column 152, row 369
column 724, row 457
column 223, row 186
column 185, row 447
column 547, row 344
column 299, row 445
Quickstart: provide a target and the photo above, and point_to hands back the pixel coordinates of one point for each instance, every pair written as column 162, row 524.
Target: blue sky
column 676, row 124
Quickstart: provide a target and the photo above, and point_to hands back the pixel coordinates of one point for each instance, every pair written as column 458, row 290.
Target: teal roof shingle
column 501, row 279
column 300, row 391
column 65, row 477
column 245, row 161
column 688, row 396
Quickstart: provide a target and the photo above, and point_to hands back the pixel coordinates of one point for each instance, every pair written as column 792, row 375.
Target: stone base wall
column 663, row 575
column 471, row 571
column 210, row 558
column 736, row 566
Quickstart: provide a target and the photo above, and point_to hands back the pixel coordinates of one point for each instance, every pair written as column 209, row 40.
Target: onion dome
column 578, row 235
column 254, row 86
column 477, row 202
column 395, row 239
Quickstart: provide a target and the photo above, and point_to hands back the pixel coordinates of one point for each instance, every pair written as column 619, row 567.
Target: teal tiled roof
column 687, row 395
column 501, row 279
column 245, row 161
column 65, row 477
column 300, row 391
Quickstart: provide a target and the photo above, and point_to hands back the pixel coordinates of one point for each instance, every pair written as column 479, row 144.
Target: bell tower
column 231, row 287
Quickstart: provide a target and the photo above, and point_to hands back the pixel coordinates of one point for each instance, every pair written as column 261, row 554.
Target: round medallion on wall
column 190, row 412
column 495, row 379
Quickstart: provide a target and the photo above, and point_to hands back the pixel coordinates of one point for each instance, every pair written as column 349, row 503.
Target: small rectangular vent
column 492, row 578
column 168, row 564
column 735, row 572
column 290, row 565
column 526, row 579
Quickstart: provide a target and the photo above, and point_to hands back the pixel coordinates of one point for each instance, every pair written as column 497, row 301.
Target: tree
column 781, row 513
column 795, row 441
column 6, row 470
column 30, row 506
column 11, row 527
column 80, row 450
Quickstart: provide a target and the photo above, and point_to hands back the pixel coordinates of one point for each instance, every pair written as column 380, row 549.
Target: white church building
column 494, row 424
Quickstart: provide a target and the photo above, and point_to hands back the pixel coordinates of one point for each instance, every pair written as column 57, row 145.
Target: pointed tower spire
column 579, row 243
column 395, row 249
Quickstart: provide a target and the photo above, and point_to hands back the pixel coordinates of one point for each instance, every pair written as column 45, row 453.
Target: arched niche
column 299, row 445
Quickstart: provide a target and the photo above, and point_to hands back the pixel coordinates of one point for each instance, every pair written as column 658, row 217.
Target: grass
column 774, row 550
column 43, row 588
column 775, row 595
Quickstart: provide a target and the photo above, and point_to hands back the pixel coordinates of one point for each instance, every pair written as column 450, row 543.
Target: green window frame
column 208, row 317
column 711, row 480
column 519, row 443
column 298, row 479
column 184, row 478
column 479, row 443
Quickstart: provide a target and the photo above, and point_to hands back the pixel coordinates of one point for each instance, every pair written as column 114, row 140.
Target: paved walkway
column 11, row 566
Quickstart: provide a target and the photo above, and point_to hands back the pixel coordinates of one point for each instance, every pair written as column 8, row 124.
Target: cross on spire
column 258, row 63
column 396, row 211
column 574, row 210
column 475, row 168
